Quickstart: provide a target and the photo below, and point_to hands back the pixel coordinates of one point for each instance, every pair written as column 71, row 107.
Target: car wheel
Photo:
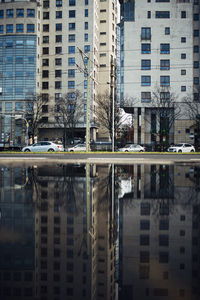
column 27, row 150
column 71, row 151
column 141, row 151
column 180, row 151
column 126, row 151
column 51, row 150
column 192, row 151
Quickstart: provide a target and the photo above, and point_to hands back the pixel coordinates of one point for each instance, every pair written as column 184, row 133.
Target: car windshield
column 128, row 146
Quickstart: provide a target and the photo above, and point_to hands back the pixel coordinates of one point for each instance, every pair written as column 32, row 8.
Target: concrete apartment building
column 160, row 57
column 40, row 54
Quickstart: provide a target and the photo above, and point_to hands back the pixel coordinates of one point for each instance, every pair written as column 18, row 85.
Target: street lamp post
column 113, row 115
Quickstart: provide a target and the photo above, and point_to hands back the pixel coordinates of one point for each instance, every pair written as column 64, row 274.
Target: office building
column 160, row 68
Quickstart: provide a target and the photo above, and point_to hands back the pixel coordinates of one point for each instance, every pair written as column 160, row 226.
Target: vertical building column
column 135, row 125
column 142, row 125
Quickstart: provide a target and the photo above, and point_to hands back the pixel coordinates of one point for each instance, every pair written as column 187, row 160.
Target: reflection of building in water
column 74, row 250
column 17, row 241
column 159, row 239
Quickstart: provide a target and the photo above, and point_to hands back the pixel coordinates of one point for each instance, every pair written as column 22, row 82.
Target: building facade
column 160, row 68
column 47, row 49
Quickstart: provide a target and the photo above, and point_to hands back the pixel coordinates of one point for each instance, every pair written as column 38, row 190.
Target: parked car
column 132, row 148
column 182, row 147
column 45, row 146
column 77, row 148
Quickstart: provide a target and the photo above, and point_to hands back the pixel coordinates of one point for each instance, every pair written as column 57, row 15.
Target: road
column 101, row 158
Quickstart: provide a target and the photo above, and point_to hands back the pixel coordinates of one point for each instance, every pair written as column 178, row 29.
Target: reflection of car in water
column 78, row 147
column 44, row 147
column 132, row 148
column 182, row 147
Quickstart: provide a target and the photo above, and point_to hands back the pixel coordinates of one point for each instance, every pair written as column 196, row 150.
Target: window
column 183, row 55
column 86, row 48
column 183, row 14
column 71, row 61
column 46, row 28
column 19, row 27
column 58, row 50
column 86, row 12
column 72, row 13
column 146, row 64
column 45, row 50
column 164, row 80
column 58, row 84
column 58, row 3
column 71, row 38
column 183, row 72
column 146, row 48
column 71, row 73
column 196, row 17
column 46, row 15
column 58, row 38
column 9, row 28
column 196, row 80
column 149, row 14
column 86, row 37
column 1, row 14
column 45, row 39
column 144, row 240
column 145, row 209
column 30, row 13
column 196, row 64
column 59, row 14
column 163, row 240
column 145, row 33
column 162, row 14
column 164, row 224
column 145, row 80
column 45, row 85
column 164, row 48
column 45, row 62
column 72, row 26
column 144, row 225
column 1, row 29
column 196, row 49
column 164, row 96
column 58, row 61
column 9, row 13
column 58, row 73
column 164, row 64
column 71, row 84
column 167, row 30
column 59, row 27
column 72, row 2
column 144, row 257
column 196, row 96
column 30, row 28
column 196, row 33
column 46, row 4
column 71, row 49
column 163, row 257
column 183, row 39
column 20, row 12
column 86, row 25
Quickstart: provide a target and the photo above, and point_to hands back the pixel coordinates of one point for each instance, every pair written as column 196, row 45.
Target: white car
column 45, row 146
column 78, row 147
column 182, row 147
column 132, row 148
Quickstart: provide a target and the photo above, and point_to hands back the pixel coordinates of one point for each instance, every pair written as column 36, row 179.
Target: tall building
column 46, row 49
column 160, row 61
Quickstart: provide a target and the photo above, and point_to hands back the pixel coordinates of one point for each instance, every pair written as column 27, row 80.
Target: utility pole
column 86, row 71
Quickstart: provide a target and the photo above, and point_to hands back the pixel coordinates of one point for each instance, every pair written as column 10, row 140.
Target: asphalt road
column 101, row 158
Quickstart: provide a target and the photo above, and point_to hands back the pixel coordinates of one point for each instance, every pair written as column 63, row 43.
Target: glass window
column 58, row 14
column 72, row 26
column 196, row 32
column 183, row 14
column 58, row 38
column 164, row 80
column 58, row 50
column 71, row 49
column 58, row 3
column 164, row 48
column 30, row 28
column 1, row 13
column 58, row 84
column 71, row 73
column 9, row 13
column 162, row 14
column 19, row 27
column 30, row 13
column 72, row 2
column 1, row 29
column 18, row 106
column 196, row 49
column 196, row 64
column 146, row 33
column 86, row 12
column 86, row 48
column 59, row 27
column 145, row 80
column 86, row 2
column 58, row 61
column 9, row 28
column 167, row 30
column 196, row 17
column 86, row 25
column 71, row 37
column 164, row 64
column 86, row 37
column 183, row 39
column 146, row 64
column 144, row 224
column 71, row 61
column 8, row 106
column 196, row 80
column 183, row 55
column 145, row 96
column 20, row 12
column 146, row 48
column 9, row 43
column 72, row 13
column 71, row 84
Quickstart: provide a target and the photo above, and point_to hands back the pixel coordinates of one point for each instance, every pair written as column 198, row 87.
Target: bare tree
column 192, row 110
column 104, row 114
column 36, row 107
column 69, row 111
column 165, row 109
